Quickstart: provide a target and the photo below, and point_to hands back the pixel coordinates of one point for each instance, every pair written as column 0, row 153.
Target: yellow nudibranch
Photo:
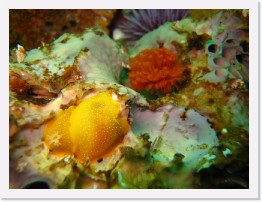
column 89, row 130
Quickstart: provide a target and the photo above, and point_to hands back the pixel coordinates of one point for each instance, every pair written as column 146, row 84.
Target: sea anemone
column 139, row 22
column 157, row 70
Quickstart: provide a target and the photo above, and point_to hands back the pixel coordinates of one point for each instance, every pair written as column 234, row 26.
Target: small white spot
column 118, row 34
column 20, row 53
column 66, row 159
column 224, row 131
column 114, row 96
column 198, row 91
column 227, row 152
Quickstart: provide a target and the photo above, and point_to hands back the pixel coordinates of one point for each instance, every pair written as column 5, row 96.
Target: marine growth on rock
column 165, row 106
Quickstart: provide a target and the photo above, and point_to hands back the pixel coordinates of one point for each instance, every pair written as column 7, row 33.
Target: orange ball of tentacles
column 157, row 70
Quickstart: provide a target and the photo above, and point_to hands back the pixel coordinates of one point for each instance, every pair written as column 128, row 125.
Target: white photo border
column 254, row 159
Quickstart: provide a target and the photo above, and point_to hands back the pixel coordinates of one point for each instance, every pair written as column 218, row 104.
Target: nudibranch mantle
column 88, row 130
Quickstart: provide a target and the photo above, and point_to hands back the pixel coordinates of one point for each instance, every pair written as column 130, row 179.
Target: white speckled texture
column 193, row 137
